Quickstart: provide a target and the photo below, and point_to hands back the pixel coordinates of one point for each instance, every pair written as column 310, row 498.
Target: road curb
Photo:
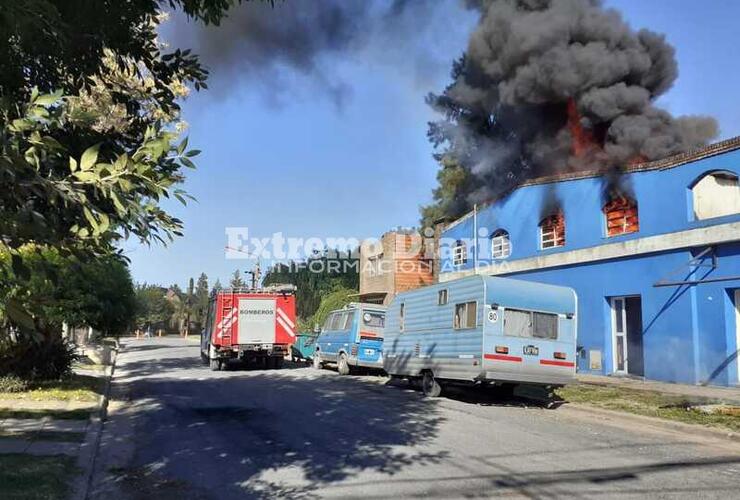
column 89, row 449
column 693, row 429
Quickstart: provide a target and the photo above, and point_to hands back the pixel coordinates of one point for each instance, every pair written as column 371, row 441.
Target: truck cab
column 352, row 337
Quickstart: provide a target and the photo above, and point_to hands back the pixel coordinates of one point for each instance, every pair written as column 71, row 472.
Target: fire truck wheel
column 430, row 386
column 278, row 363
column 216, row 365
column 343, row 365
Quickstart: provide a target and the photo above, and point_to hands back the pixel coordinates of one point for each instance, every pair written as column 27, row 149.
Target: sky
column 285, row 157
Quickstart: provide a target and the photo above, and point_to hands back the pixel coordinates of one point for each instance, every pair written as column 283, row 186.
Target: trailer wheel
column 343, row 365
column 430, row 386
column 216, row 365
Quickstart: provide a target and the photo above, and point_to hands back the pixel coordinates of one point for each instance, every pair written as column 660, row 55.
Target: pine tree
column 236, row 280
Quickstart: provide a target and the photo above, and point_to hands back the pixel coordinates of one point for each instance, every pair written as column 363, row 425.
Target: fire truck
column 253, row 325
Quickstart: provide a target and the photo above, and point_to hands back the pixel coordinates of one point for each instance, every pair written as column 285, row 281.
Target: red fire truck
column 256, row 326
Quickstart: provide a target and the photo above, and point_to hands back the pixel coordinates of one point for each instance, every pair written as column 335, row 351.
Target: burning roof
column 552, row 88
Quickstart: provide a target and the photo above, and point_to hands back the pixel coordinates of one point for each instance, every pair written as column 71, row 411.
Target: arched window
column 459, row 253
column 621, row 216
column 552, row 231
column 716, row 194
column 500, row 244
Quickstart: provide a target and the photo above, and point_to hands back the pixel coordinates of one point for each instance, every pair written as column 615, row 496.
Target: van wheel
column 203, row 358
column 343, row 365
column 317, row 364
column 430, row 386
column 216, row 365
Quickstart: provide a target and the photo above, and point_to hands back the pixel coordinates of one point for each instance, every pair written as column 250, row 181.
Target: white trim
column 615, row 366
column 703, row 236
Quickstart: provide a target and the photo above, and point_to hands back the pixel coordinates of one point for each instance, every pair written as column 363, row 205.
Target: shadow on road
column 297, row 433
column 229, row 429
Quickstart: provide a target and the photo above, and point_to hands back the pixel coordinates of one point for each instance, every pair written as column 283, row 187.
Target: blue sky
column 309, row 169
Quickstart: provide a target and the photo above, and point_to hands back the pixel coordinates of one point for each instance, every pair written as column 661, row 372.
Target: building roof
column 664, row 164
column 669, row 162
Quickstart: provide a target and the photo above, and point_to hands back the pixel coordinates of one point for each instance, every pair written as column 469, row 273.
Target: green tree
column 236, row 280
column 315, row 279
column 201, row 300
column 60, row 289
column 337, row 299
column 90, row 124
column 153, row 308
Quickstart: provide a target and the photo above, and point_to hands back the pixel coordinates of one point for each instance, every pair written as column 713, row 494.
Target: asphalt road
column 178, row 430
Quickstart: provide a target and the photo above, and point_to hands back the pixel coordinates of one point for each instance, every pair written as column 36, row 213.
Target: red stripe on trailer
column 553, row 362
column 501, row 357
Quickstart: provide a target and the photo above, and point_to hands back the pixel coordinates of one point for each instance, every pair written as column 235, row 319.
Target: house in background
column 656, row 267
column 395, row 263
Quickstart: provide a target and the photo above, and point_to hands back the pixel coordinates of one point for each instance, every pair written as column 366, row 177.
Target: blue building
column 656, row 267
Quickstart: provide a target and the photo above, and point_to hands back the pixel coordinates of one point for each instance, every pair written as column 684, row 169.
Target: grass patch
column 56, row 436
column 27, row 477
column 77, row 414
column 77, row 387
column 649, row 403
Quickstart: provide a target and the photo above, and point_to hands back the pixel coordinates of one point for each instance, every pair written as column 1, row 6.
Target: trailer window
column 517, row 323
column 401, row 313
column 545, row 325
column 466, row 315
column 442, row 297
column 373, row 319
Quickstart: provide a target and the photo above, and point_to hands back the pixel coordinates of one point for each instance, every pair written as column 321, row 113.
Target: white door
column 619, row 335
column 737, row 331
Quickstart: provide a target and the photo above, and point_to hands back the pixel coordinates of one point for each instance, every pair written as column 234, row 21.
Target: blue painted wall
column 689, row 332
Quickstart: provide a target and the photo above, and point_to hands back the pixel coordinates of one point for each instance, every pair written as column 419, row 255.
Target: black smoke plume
column 273, row 44
column 553, row 86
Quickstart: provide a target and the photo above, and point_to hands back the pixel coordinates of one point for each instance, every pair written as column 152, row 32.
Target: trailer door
column 256, row 321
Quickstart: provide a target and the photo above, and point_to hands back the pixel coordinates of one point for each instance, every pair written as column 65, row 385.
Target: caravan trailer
column 482, row 330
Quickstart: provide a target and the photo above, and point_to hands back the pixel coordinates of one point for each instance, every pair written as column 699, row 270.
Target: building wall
column 382, row 280
column 689, row 331
column 400, row 268
column 412, row 270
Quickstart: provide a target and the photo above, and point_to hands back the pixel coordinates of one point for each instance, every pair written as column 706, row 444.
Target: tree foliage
column 63, row 289
column 153, row 310
column 314, row 279
column 90, row 124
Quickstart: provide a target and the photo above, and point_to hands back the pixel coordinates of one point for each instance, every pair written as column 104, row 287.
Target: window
column 545, row 326
column 621, row 217
column 442, row 297
column 466, row 315
column 332, row 322
column 373, row 319
column 528, row 324
column 375, row 265
column 517, row 323
column 500, row 244
column 552, row 231
column 349, row 318
column 716, row 194
column 459, row 253
column 401, row 314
